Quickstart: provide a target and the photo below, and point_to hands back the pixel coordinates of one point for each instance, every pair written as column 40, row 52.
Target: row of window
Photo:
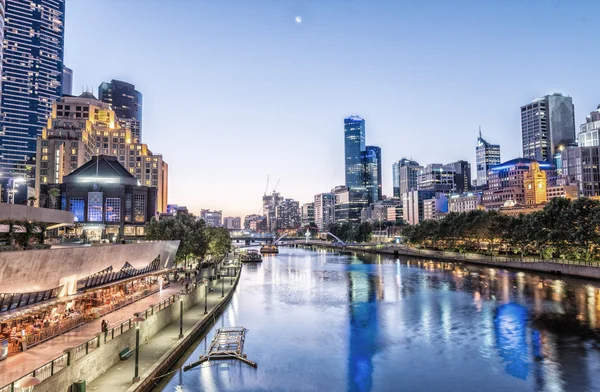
column 10, row 301
column 109, row 275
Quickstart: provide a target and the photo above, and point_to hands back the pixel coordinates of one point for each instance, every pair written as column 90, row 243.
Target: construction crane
column 267, row 187
column 276, row 186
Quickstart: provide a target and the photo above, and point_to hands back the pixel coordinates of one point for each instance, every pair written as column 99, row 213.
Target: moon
column 298, row 19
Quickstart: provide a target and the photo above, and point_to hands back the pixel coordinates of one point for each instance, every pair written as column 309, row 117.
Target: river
column 320, row 321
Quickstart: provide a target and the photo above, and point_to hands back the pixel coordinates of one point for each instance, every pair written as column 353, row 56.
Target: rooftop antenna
column 480, row 131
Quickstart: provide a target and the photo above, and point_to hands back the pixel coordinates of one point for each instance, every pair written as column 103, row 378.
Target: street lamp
column 138, row 323
column 180, row 315
column 205, row 296
column 222, row 285
column 27, row 384
column 231, row 273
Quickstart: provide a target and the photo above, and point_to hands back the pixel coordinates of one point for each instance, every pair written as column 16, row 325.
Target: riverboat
column 266, row 249
column 250, row 256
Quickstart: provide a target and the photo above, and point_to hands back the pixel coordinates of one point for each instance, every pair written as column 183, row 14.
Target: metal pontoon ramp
column 228, row 343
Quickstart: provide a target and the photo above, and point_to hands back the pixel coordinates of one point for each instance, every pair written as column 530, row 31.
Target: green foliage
column 195, row 238
column 352, row 232
column 563, row 228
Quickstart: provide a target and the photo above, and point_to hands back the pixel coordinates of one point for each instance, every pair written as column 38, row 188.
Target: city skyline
column 278, row 71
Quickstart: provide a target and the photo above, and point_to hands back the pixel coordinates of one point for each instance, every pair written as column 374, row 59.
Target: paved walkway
column 20, row 364
column 119, row 377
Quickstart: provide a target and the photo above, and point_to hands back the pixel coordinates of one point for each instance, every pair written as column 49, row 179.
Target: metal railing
column 44, row 372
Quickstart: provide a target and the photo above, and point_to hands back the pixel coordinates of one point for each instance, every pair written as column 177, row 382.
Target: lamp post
column 138, row 323
column 27, row 384
column 205, row 296
column 231, row 273
column 222, row 285
column 180, row 315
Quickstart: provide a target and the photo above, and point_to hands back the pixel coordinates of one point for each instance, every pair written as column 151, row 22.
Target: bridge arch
column 343, row 243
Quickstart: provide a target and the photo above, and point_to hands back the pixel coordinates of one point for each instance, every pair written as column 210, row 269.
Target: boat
column 265, row 249
column 228, row 343
column 250, row 256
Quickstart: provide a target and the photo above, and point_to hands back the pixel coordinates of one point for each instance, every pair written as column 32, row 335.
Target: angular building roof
column 102, row 169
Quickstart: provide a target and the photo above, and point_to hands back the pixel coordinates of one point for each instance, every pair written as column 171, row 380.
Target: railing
column 32, row 339
column 43, row 372
column 56, row 365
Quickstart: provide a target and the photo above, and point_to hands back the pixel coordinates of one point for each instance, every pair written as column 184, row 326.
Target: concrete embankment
column 560, row 267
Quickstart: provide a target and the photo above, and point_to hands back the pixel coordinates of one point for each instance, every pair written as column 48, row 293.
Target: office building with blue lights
column 31, row 77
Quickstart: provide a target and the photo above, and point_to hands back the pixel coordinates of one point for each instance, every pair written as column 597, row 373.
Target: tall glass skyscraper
column 354, row 145
column 126, row 101
column 487, row 155
column 33, row 47
column 371, row 159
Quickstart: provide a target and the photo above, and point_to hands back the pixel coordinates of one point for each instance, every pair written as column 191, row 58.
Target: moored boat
column 250, row 256
column 265, row 249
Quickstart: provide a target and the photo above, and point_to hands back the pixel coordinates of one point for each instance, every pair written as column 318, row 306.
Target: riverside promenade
column 165, row 346
column 23, row 363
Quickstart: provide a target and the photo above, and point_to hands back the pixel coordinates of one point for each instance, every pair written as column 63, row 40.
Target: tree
column 53, row 193
column 219, row 241
column 183, row 227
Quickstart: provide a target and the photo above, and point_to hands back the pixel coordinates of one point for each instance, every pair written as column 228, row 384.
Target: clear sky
column 237, row 90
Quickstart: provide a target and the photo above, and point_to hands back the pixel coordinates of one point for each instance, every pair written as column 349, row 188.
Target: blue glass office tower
column 126, row 101
column 354, row 145
column 31, row 77
column 371, row 159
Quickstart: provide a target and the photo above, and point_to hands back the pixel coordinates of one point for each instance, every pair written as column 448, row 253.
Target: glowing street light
column 27, row 384
column 138, row 324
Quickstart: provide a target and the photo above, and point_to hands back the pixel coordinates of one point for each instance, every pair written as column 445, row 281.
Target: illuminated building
column 80, row 127
column 324, row 209
column 212, row 218
column 32, row 68
column 566, row 191
column 434, row 208
column 288, row 214
column 106, row 199
column 126, row 101
column 405, row 173
column 534, row 182
column 437, row 177
column 308, row 214
column 67, row 81
column 506, row 182
column 581, row 166
column 588, row 131
column 547, row 125
column 412, row 205
column 354, row 146
column 348, row 205
column 464, row 203
column 487, row 155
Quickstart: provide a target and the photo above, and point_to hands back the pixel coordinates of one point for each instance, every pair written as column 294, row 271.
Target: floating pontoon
column 228, row 343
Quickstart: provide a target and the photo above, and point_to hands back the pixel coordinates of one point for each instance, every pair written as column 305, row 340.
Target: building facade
column 371, row 159
column 534, row 182
column 354, row 146
column 80, row 127
column 487, row 155
column 126, row 101
column 348, row 204
column 288, row 214
column 67, row 81
column 412, row 205
column 464, row 203
column 232, row 222
column 547, row 126
column 437, row 177
column 324, row 209
column 581, row 166
column 308, row 214
column 404, row 179
column 212, row 218
column 588, row 131
column 107, row 201
column 462, row 177
column 32, row 69
column 435, row 208
column 270, row 203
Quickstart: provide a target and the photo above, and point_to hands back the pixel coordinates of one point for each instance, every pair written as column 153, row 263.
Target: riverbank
column 557, row 267
column 159, row 353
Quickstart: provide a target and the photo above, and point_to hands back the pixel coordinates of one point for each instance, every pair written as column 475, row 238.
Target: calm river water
column 319, row 321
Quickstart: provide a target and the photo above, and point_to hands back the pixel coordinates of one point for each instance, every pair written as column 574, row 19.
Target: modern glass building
column 67, row 81
column 405, row 173
column 487, row 155
column 354, row 145
column 126, row 101
column 32, row 72
column 371, row 159
column 547, row 126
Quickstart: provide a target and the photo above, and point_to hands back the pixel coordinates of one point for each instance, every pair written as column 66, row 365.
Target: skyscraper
column 371, row 159
column 67, row 81
column 323, row 209
column 547, row 126
column 405, row 173
column 126, row 101
column 354, row 145
column 462, row 176
column 487, row 155
column 32, row 70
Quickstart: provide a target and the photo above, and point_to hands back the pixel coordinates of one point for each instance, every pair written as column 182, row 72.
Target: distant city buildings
column 487, row 155
column 126, row 101
column 255, row 222
column 67, row 81
column 308, row 214
column 436, row 207
column 371, row 159
column 324, row 209
column 412, row 205
column 232, row 223
column 464, row 203
column 212, row 218
column 288, row 214
column 547, row 126
column 588, row 131
column 32, row 69
column 405, row 175
column 270, row 203
column 348, row 204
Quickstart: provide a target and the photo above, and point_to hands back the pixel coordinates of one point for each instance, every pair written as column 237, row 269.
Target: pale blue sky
column 236, row 90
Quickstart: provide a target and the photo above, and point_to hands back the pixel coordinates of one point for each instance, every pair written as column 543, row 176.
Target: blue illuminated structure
column 354, row 145
column 525, row 162
column 510, row 325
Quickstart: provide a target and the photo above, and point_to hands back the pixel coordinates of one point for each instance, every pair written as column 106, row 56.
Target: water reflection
column 322, row 321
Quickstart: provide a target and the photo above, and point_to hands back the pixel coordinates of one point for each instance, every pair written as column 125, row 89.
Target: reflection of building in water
column 363, row 326
column 510, row 324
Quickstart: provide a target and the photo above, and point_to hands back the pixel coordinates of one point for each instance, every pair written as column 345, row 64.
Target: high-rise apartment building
column 308, row 214
column 212, row 218
column 354, row 146
column 126, row 101
column 371, row 159
column 324, row 209
column 547, row 126
column 412, row 205
column 588, row 131
column 232, row 222
column 81, row 127
column 270, row 203
column 67, row 81
column 437, row 177
column 32, row 69
column 581, row 166
column 288, row 214
column 348, row 204
column 487, row 155
column 405, row 173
